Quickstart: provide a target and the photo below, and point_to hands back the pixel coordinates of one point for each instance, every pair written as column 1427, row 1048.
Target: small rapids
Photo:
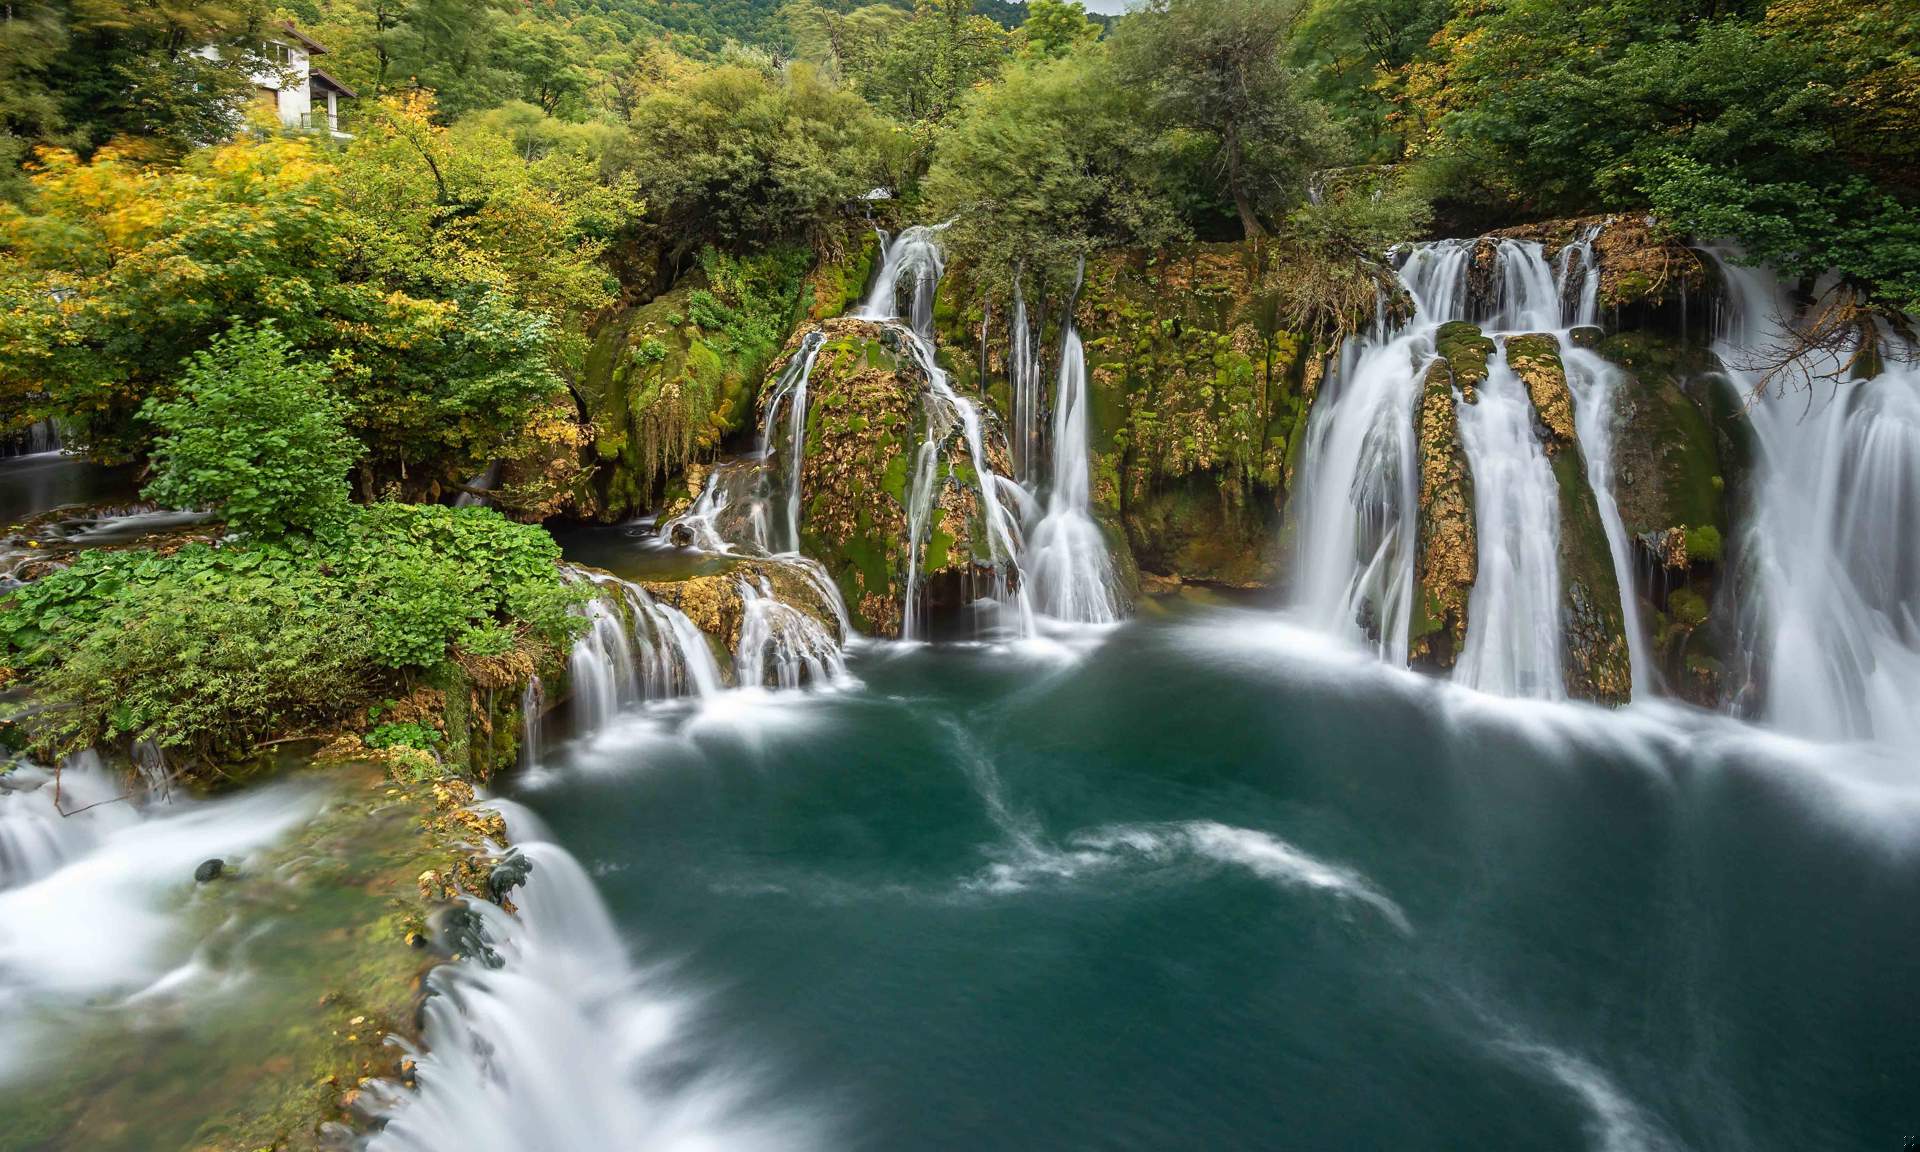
column 561, row 1044
column 93, row 890
column 915, row 258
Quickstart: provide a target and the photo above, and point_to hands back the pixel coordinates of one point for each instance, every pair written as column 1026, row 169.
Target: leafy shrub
column 256, row 435
column 407, row 734
column 215, row 649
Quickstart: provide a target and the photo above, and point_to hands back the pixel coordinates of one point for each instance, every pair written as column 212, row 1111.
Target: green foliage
column 1355, row 51
column 731, row 154
column 1212, row 76
column 1767, row 123
column 1703, row 543
column 1048, row 165
column 78, row 75
column 212, row 650
column 440, row 273
column 405, row 734
column 1054, row 28
column 255, row 435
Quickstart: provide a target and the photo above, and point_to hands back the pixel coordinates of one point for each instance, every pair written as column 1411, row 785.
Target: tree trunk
column 1237, row 184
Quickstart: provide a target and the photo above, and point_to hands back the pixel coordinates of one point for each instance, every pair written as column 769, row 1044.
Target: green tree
column 932, row 61
column 1771, row 127
column 1212, row 75
column 731, row 154
column 255, row 435
column 1054, row 28
column 79, row 74
column 1049, row 165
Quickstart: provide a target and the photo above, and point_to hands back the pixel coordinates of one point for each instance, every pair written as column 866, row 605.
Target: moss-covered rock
column 868, row 415
column 1597, row 664
column 1643, row 265
column 1669, row 459
column 1535, row 360
column 717, row 606
column 1447, row 558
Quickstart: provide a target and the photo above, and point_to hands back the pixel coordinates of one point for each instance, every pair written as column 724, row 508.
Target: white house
column 301, row 95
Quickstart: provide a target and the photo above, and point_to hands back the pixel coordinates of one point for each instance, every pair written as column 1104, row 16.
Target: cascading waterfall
column 562, row 1043
column 533, row 701
column 1831, row 621
column 781, row 646
column 635, row 649
column 1514, row 637
column 916, row 253
column 1594, row 386
column 1023, row 374
column 791, row 391
column 1358, row 515
column 1359, row 511
column 728, row 519
column 1067, row 557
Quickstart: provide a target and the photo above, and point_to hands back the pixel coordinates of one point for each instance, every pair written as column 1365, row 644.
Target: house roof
column 313, row 47
column 315, row 76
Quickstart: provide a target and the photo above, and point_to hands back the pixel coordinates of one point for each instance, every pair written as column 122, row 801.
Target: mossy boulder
column 1447, row 558
column 1673, row 446
column 660, row 394
column 867, row 416
column 717, row 606
column 1597, row 664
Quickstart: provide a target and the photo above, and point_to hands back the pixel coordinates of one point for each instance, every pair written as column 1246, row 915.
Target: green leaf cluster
column 254, row 434
column 212, row 650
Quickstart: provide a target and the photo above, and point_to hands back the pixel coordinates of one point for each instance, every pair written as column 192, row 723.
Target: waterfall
column 1359, row 510
column 1593, row 384
column 1514, row 626
column 916, row 254
column 635, row 649
column 35, row 439
column 1071, row 571
column 1831, row 621
column 781, row 646
column 564, row 1043
column 533, row 699
column 1023, row 376
column 791, row 390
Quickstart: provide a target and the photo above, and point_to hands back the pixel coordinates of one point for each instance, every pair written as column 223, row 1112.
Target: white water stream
column 1067, row 557
column 1831, row 588
column 1358, row 512
column 915, row 257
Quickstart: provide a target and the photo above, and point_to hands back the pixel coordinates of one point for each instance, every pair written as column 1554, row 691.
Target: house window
column 278, row 53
